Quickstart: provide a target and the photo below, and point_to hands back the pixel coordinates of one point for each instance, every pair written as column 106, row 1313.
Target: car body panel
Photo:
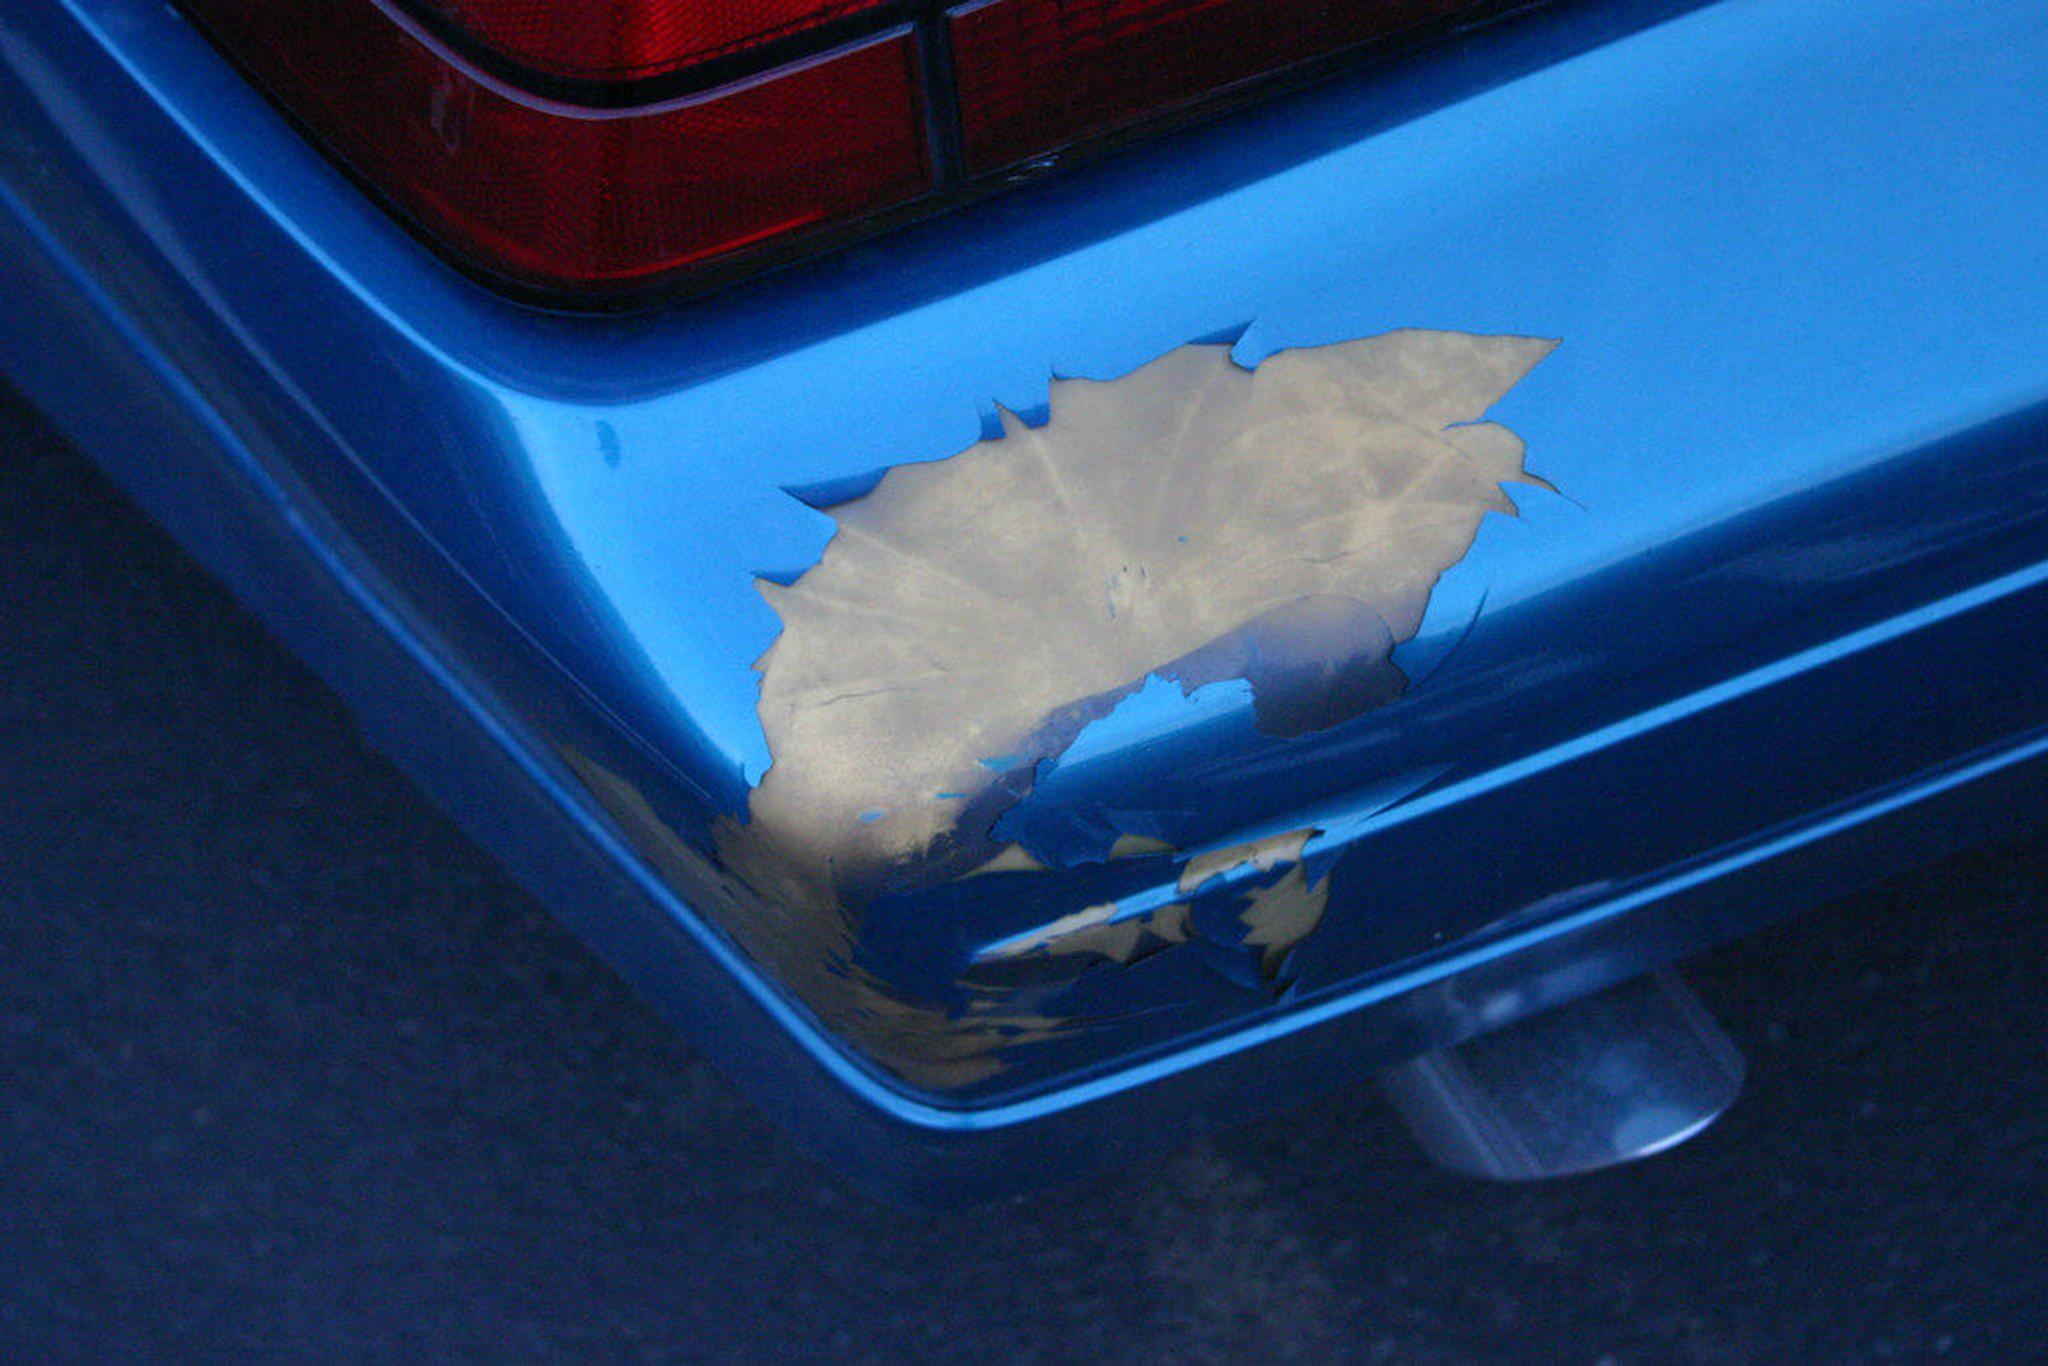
column 1772, row 629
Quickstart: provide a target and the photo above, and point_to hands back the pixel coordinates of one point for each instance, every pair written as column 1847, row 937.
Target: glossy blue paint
column 1777, row 631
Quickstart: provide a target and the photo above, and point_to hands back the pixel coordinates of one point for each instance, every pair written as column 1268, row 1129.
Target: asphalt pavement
column 289, row 1068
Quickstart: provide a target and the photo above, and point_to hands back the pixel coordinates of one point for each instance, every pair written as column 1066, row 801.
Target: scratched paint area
column 1268, row 917
column 1195, row 521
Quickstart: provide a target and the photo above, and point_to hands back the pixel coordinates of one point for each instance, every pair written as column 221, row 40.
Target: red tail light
column 1035, row 74
column 623, row 40
column 592, row 146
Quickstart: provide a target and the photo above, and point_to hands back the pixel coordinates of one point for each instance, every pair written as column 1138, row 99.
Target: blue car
column 1045, row 578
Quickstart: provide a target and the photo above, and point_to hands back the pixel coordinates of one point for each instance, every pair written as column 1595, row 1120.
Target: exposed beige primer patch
column 1013, row 858
column 1098, row 930
column 1192, row 519
column 1259, row 856
column 1278, row 917
column 1138, row 846
column 804, row 938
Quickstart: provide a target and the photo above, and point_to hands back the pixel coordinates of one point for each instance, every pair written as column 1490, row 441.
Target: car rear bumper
column 1777, row 630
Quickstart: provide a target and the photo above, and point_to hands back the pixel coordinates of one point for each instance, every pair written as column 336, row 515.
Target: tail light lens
column 624, row 40
column 541, row 191
column 593, row 147
column 1036, row 74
